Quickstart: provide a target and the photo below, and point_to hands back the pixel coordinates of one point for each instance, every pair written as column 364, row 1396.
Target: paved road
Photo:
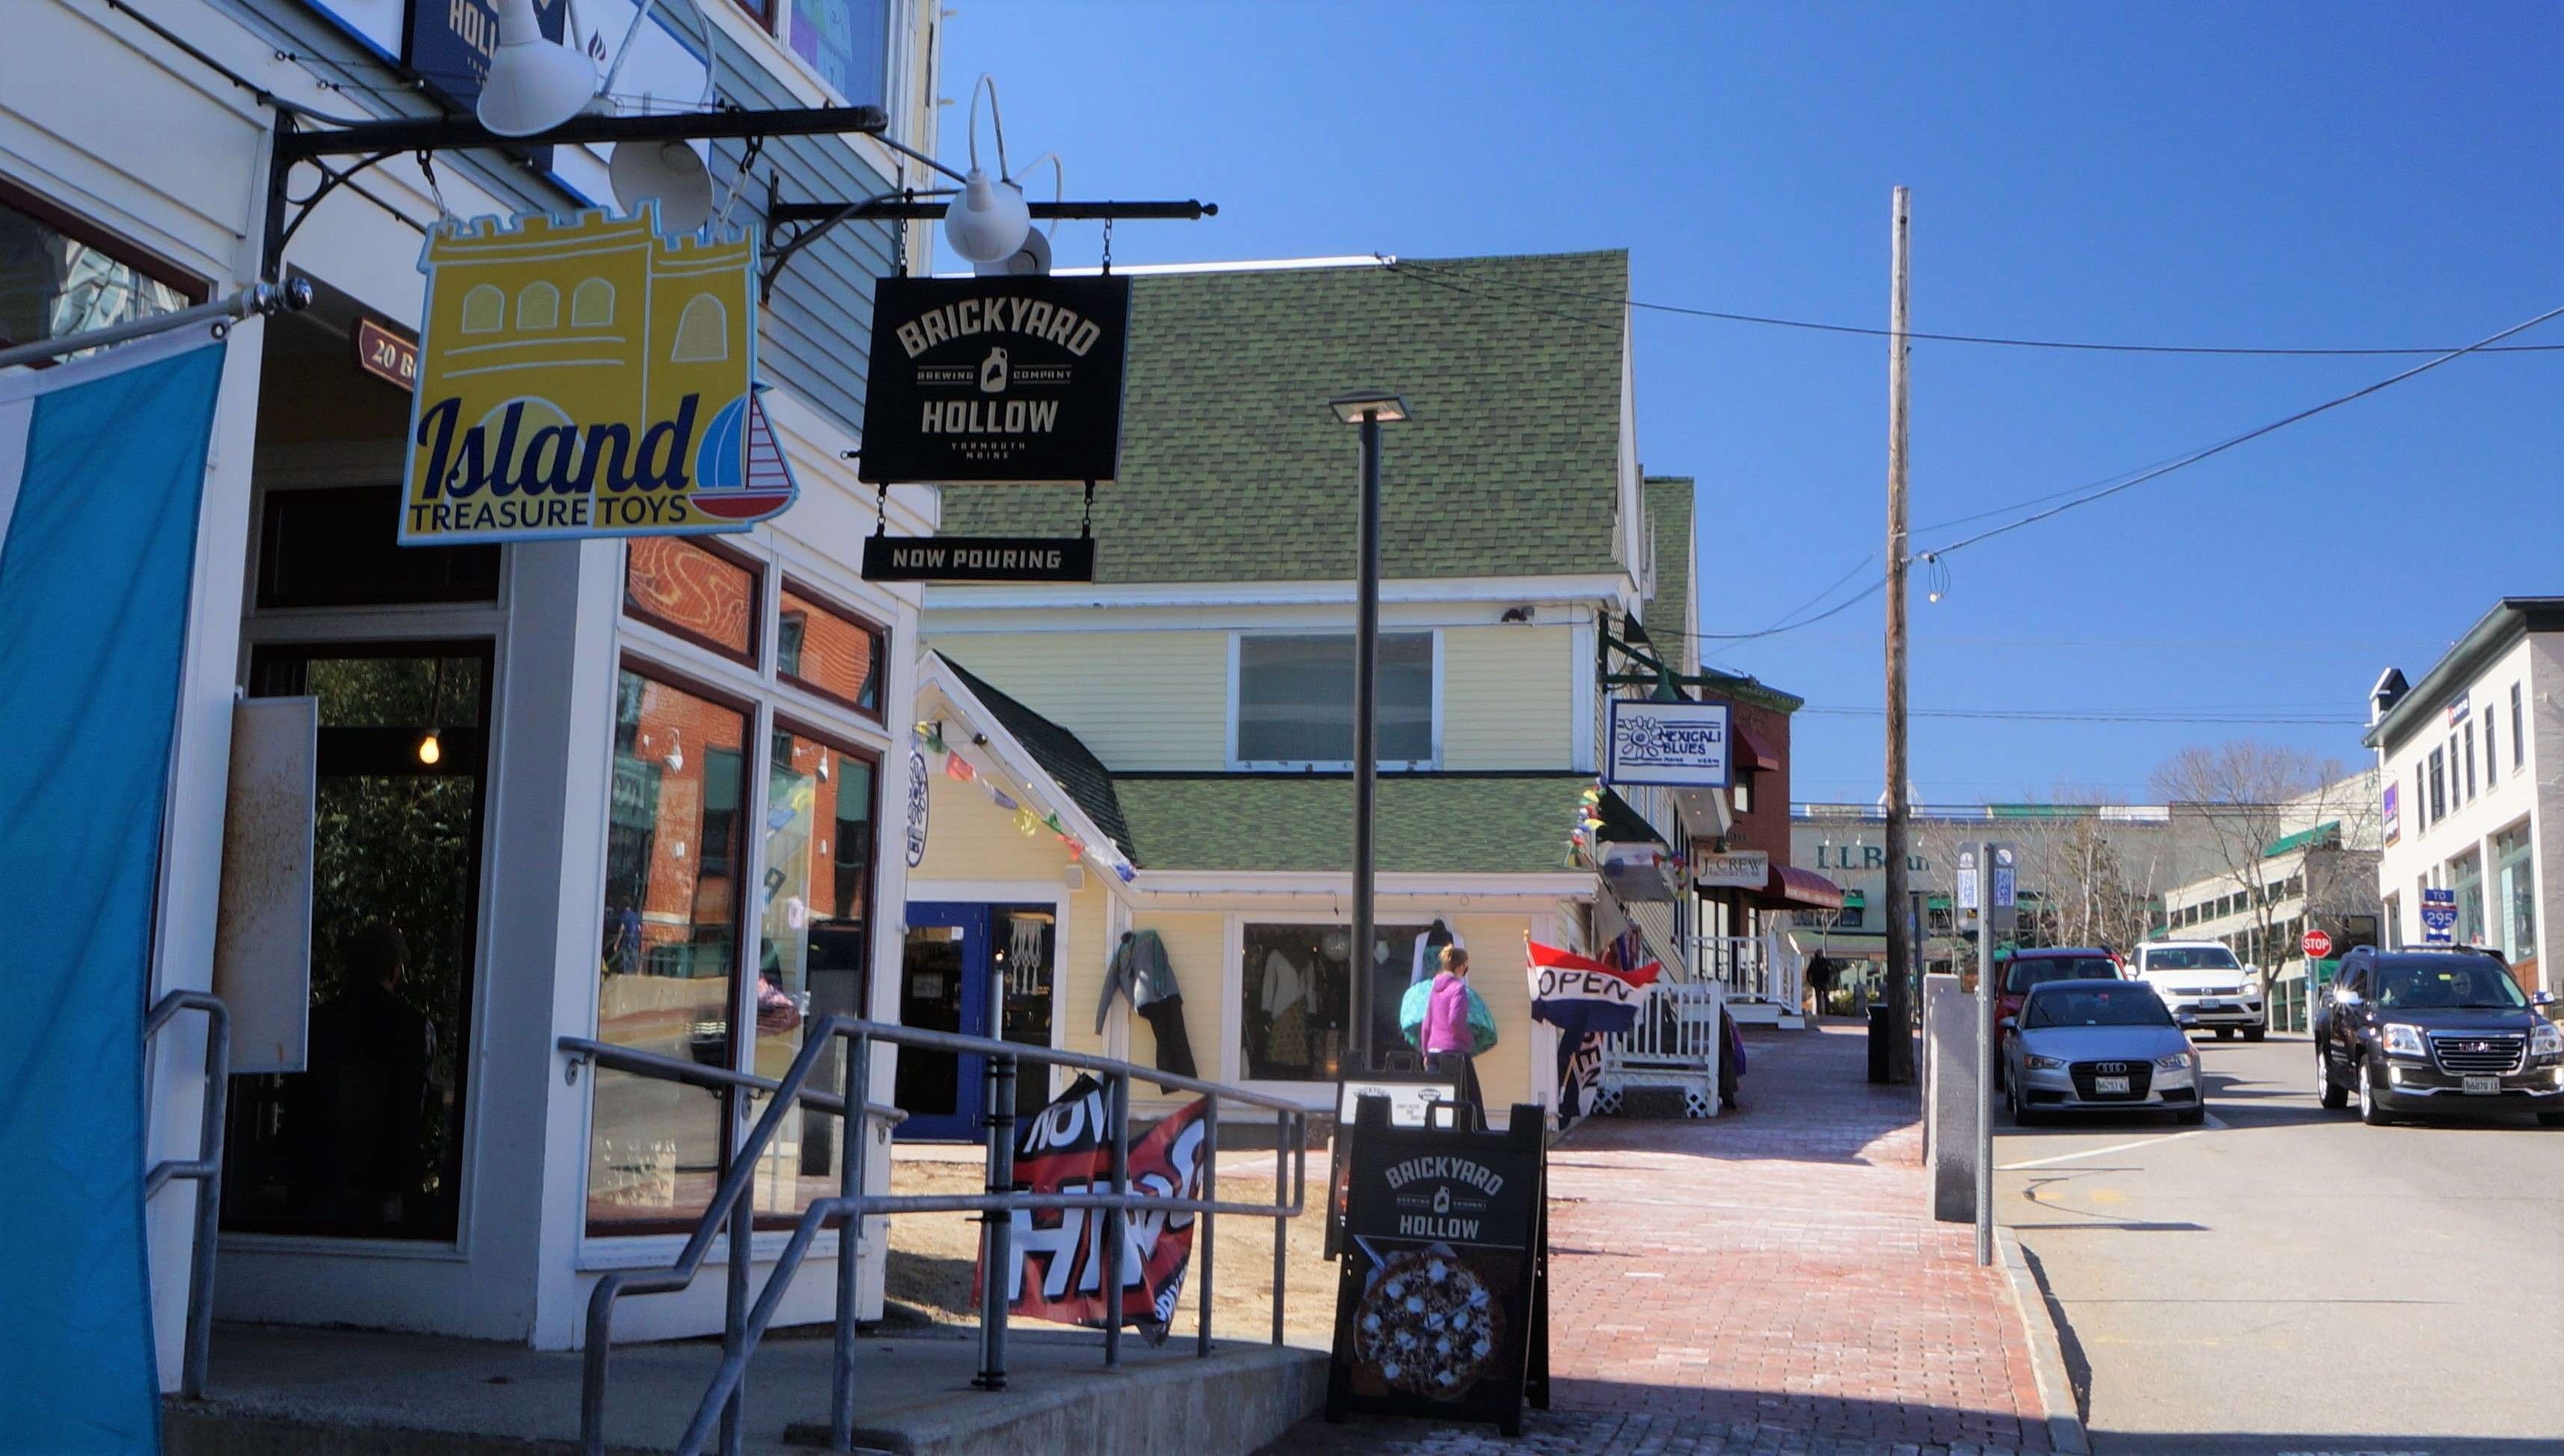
column 2295, row 1282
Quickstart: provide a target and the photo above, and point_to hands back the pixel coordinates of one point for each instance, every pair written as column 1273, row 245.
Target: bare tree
column 2246, row 794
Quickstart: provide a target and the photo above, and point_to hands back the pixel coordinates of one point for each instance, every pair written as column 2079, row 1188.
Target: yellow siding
column 1507, row 695
column 1495, row 944
column 970, row 838
column 1138, row 700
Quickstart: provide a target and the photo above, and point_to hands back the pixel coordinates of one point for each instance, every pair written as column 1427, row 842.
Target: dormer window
column 1294, row 701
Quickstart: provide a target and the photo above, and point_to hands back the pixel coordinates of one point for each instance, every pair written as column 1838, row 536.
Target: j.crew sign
column 995, row 379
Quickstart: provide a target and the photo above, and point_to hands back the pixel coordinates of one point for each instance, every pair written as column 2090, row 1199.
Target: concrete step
column 325, row 1393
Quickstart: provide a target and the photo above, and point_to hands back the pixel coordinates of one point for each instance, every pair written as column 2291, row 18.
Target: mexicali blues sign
column 1014, row 379
column 1676, row 744
column 587, row 376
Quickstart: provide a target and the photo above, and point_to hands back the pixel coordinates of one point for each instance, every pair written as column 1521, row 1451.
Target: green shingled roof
column 1263, row 823
column 1233, row 470
column 1061, row 754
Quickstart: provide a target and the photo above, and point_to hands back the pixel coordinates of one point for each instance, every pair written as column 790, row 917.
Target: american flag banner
column 1587, row 999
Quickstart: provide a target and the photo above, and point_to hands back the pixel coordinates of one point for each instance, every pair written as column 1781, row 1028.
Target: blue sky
column 2270, row 174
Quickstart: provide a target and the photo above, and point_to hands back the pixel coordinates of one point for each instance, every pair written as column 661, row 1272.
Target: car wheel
column 2022, row 1115
column 2256, row 1033
column 2226, row 1033
column 2371, row 1111
column 2331, row 1094
column 2550, row 1120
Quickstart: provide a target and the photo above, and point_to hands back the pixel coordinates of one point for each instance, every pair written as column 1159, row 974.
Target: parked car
column 2101, row 1045
column 2019, row 971
column 2201, row 980
column 2410, row 1031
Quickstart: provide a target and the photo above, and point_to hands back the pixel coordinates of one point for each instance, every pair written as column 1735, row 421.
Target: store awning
column 1756, row 754
column 1790, row 888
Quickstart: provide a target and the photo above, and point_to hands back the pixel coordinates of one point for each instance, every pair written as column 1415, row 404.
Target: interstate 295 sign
column 1013, row 380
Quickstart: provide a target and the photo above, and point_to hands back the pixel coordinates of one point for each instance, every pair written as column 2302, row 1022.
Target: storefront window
column 1297, row 990
column 669, row 949
column 813, row 918
column 2515, row 892
column 1295, row 698
column 834, row 654
column 59, row 279
column 705, row 596
column 2466, row 875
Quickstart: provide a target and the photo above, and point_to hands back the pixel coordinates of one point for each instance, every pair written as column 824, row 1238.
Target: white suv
column 2204, row 986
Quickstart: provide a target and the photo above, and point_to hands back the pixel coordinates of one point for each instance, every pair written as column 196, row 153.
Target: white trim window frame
column 1235, row 723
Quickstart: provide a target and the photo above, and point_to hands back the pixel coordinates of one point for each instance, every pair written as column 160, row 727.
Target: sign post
column 2000, row 861
column 1442, row 1294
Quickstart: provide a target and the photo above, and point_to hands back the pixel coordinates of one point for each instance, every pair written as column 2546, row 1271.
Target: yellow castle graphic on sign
column 587, row 376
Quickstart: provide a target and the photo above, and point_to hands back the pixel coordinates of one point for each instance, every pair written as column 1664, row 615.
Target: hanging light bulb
column 429, row 750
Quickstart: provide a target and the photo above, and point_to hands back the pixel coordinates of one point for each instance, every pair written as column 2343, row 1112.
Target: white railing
column 1765, row 970
column 1677, row 1026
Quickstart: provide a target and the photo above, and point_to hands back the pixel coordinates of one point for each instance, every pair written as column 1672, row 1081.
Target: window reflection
column 829, row 652
column 692, row 591
column 670, row 939
column 816, row 898
column 53, row 284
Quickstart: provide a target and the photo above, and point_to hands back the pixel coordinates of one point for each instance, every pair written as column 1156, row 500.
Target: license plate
column 2212, row 1004
column 2107, row 1086
column 2482, row 1086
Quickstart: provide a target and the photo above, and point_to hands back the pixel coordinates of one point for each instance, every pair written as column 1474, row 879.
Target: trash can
column 1878, row 1034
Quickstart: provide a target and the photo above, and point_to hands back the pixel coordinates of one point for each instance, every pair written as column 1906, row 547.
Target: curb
column 2066, row 1434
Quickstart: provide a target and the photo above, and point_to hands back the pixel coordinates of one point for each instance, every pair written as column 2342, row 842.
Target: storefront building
column 1193, row 704
column 632, row 791
column 2468, row 789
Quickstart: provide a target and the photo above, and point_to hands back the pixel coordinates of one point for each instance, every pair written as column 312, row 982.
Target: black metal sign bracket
column 794, row 226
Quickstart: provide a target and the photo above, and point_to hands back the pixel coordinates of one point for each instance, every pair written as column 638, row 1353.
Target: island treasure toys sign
column 583, row 376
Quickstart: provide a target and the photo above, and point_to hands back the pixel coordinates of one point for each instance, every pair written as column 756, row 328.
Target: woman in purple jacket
column 1447, row 1043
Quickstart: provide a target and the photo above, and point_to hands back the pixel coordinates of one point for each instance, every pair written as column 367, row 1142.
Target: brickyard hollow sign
column 1011, row 380
column 1675, row 744
column 585, row 376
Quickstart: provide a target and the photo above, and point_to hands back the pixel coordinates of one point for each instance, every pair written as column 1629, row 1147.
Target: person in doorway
column 371, row 1057
column 1449, row 1043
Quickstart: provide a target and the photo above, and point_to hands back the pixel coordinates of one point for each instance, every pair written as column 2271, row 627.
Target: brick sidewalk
column 1765, row 1282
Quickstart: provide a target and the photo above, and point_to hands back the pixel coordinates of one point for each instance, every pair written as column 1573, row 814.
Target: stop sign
column 2318, row 946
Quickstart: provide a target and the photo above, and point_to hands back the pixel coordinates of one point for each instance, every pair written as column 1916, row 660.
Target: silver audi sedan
column 2101, row 1046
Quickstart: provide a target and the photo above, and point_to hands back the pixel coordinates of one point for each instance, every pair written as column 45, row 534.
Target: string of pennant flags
column 1031, row 821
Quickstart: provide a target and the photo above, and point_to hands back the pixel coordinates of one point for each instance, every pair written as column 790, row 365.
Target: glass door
column 367, row 1141
column 943, row 987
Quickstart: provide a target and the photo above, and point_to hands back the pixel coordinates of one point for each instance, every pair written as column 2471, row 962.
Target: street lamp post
column 1370, row 409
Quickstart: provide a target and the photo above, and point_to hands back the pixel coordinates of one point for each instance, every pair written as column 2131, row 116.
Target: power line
column 2229, row 443
column 1421, row 271
column 2290, row 717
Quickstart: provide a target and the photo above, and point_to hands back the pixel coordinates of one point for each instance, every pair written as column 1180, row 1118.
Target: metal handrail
column 608, row 1057
column 723, row 1405
column 206, row 1168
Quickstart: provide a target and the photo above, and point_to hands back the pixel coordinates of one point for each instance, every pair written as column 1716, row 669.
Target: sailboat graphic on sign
column 741, row 475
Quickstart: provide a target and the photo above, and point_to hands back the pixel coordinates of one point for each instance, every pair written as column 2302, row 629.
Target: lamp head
column 669, row 173
column 988, row 223
column 1032, row 260
column 1372, row 404
column 535, row 84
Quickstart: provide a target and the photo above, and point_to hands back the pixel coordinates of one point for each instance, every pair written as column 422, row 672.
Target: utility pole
column 1900, row 949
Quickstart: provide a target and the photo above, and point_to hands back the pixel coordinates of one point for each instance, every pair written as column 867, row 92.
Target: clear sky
column 2263, row 174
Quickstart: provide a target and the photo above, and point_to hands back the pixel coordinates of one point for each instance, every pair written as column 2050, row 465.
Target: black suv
column 2426, row 1030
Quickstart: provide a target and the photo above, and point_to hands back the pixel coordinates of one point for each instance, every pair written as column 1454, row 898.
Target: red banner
column 1057, row 1254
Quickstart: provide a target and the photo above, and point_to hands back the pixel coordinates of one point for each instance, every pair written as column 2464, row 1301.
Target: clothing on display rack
column 1025, row 962
column 1428, row 951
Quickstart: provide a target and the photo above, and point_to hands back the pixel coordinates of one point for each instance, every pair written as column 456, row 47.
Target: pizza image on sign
column 586, row 376
column 1427, row 1324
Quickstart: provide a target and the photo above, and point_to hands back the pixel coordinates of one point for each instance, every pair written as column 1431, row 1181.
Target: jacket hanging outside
column 1139, row 972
